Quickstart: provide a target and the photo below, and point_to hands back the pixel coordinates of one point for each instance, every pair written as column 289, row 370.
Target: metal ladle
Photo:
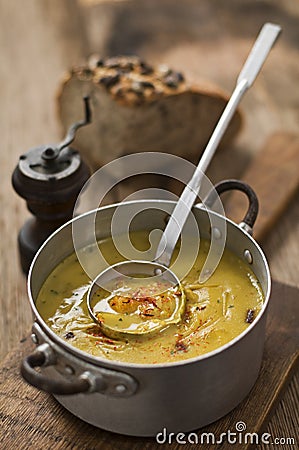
column 158, row 271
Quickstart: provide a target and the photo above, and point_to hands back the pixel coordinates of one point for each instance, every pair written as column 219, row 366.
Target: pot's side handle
column 70, row 375
column 228, row 185
column 41, row 357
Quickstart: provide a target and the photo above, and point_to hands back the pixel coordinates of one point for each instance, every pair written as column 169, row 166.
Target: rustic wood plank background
column 40, row 39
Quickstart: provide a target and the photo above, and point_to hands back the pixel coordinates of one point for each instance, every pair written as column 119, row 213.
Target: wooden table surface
column 40, row 39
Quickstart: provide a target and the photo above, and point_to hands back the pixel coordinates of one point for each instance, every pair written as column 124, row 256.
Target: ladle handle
column 250, row 70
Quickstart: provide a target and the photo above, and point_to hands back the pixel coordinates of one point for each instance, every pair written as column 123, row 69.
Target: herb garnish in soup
column 215, row 312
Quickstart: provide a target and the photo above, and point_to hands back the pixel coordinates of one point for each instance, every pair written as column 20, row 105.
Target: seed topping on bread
column 131, row 80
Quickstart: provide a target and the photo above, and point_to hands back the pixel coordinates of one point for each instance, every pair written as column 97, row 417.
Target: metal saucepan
column 138, row 399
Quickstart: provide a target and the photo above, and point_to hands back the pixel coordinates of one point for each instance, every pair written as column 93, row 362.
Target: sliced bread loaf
column 138, row 107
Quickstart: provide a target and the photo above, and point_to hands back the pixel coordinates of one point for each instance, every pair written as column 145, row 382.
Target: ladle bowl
column 136, row 287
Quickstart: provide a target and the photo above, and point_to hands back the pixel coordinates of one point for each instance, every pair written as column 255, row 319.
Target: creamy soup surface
column 215, row 313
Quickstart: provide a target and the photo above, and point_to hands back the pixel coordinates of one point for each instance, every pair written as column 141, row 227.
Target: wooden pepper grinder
column 49, row 178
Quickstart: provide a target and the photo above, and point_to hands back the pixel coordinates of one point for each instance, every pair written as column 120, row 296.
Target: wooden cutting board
column 33, row 419
column 274, row 175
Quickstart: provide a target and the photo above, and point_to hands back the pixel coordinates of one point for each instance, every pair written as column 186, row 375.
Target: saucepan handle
column 228, row 185
column 81, row 377
column 39, row 380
